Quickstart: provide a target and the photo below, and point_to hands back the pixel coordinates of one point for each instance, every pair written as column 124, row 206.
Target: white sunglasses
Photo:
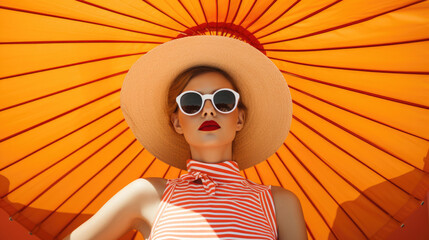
column 191, row 102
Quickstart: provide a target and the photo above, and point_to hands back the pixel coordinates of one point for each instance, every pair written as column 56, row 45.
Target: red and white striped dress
column 224, row 205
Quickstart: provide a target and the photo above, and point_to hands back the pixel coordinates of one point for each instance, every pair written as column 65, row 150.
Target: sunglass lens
column 224, row 100
column 191, row 102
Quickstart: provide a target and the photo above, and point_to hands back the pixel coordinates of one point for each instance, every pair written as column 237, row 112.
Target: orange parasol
column 357, row 152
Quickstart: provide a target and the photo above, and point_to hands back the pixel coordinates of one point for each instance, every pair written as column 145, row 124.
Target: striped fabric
column 221, row 204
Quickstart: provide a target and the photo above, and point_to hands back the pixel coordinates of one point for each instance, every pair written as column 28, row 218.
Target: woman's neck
column 214, row 154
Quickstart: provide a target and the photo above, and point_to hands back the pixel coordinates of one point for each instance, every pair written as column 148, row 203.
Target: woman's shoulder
column 281, row 193
column 287, row 206
column 155, row 180
column 284, row 198
column 155, row 183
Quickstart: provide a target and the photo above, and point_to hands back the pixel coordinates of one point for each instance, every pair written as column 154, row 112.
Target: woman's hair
column 180, row 82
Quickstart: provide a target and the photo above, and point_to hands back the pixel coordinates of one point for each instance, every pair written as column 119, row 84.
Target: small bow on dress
column 209, row 184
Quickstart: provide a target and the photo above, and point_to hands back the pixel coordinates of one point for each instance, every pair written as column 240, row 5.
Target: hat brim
column 261, row 85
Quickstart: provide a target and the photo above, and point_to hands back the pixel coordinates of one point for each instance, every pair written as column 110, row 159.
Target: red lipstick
column 209, row 126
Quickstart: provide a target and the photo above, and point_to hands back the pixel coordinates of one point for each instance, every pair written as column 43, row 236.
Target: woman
column 211, row 139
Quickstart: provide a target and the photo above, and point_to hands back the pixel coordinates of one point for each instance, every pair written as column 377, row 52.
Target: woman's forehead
column 208, row 83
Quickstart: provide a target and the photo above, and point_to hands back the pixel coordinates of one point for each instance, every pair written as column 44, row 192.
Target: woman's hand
column 289, row 215
column 118, row 215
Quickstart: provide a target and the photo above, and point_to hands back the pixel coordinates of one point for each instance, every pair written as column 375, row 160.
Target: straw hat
column 261, row 86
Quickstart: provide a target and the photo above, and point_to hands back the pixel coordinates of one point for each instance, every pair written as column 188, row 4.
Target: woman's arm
column 289, row 215
column 118, row 215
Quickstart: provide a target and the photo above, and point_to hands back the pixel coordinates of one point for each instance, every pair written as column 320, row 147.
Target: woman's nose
column 208, row 108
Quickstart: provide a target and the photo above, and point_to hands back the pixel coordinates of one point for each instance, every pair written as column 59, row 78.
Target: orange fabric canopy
column 357, row 153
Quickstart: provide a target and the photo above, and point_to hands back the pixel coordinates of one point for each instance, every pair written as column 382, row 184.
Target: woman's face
column 229, row 123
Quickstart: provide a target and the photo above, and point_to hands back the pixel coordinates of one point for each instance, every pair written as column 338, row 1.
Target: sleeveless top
column 213, row 201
